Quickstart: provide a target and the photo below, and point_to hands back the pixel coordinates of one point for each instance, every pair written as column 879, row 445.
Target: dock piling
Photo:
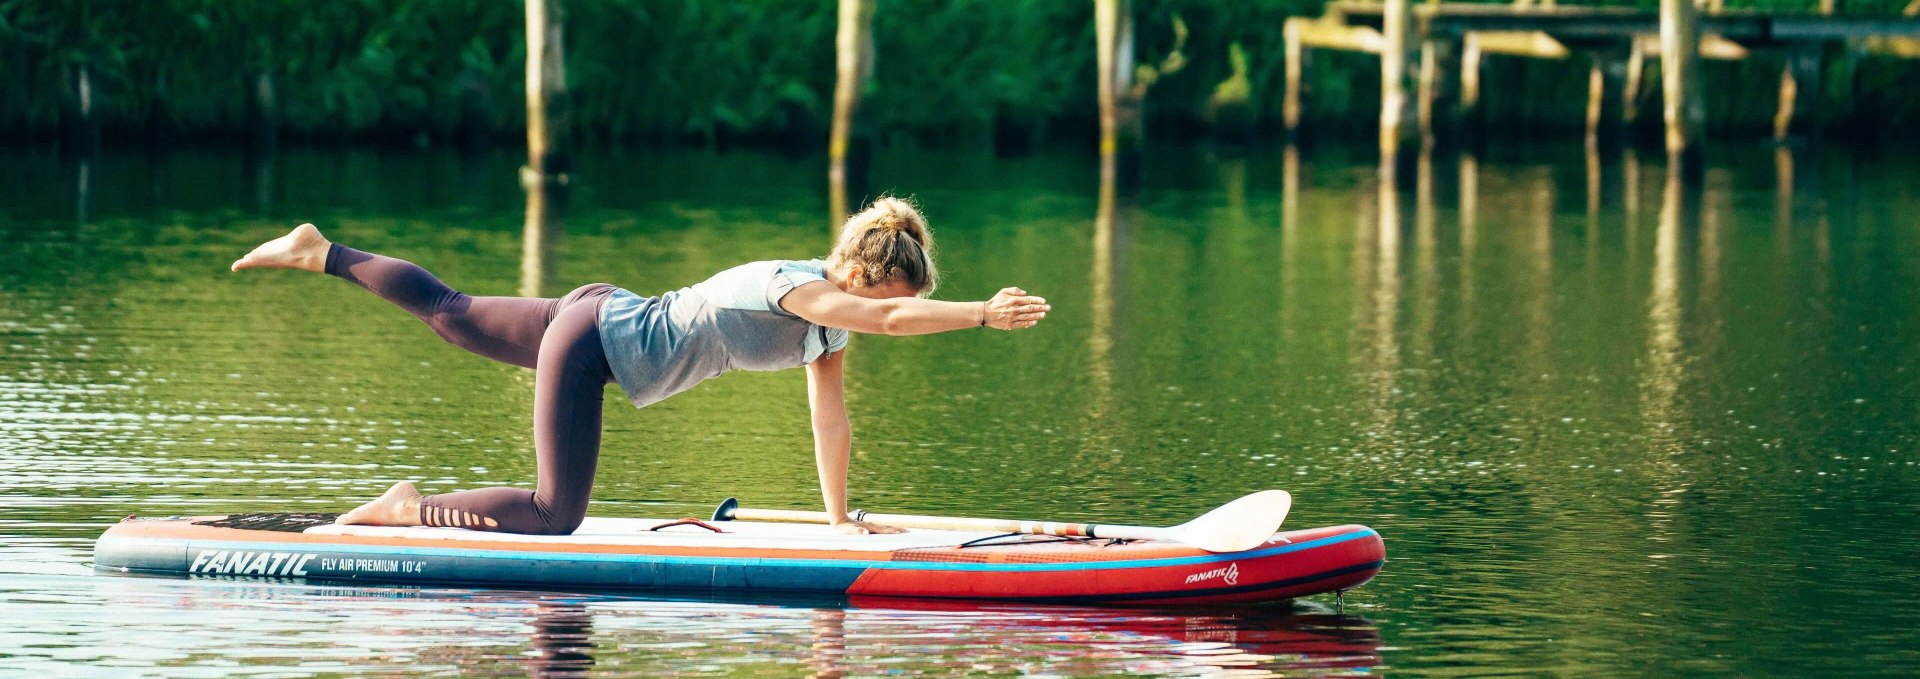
column 1636, row 79
column 1684, row 108
column 1397, row 117
column 548, row 128
column 1113, row 35
column 1607, row 97
column 1438, row 95
column 853, row 65
column 1798, row 115
column 1295, row 57
column 1470, row 112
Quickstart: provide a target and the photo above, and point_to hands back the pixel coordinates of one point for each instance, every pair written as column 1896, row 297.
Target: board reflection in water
column 492, row 632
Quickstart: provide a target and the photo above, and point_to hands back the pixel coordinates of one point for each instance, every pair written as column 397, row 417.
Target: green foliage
column 1235, row 90
column 714, row 72
column 946, row 68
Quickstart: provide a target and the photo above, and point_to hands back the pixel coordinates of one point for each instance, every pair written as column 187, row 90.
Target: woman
column 758, row 316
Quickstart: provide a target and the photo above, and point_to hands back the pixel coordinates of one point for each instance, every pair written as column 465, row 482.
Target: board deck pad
column 283, row 522
column 666, row 554
column 609, row 531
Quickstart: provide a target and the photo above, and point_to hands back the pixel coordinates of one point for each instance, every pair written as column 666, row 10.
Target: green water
column 1606, row 426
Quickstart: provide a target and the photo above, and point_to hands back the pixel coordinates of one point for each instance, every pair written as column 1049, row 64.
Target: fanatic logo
column 236, row 562
column 1230, row 575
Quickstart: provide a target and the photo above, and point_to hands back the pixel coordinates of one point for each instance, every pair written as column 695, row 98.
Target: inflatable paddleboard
column 745, row 556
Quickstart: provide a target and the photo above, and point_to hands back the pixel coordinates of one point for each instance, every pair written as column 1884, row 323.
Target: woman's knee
column 561, row 518
column 566, row 525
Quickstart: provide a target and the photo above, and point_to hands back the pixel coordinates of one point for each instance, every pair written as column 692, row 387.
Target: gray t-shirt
column 661, row 346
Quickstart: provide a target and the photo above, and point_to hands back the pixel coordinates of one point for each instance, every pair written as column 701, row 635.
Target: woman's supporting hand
column 852, row 527
column 1013, row 308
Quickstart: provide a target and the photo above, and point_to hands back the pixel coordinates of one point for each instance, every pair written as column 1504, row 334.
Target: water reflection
column 1783, row 201
column 1111, row 226
column 1380, row 360
column 1542, row 192
column 827, row 655
column 1469, row 235
column 260, row 167
column 545, row 222
column 1426, row 224
column 1596, row 180
column 383, row 629
column 1289, row 244
column 83, row 190
column 1663, row 374
column 1630, row 202
column 1713, row 213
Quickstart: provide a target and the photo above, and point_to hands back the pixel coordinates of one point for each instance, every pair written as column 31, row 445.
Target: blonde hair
column 888, row 241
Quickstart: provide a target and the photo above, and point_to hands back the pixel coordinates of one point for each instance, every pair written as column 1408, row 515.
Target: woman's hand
column 1013, row 308
column 852, row 527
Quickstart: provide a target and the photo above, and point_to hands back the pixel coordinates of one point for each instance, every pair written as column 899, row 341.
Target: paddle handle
column 959, row 523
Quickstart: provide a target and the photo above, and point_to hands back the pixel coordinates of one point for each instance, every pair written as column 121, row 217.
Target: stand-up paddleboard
column 748, row 556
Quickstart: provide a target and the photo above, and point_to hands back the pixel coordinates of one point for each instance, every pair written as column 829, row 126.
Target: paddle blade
column 1239, row 525
column 726, row 509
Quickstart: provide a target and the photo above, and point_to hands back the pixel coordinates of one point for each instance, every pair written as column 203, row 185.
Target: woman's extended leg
column 505, row 329
column 559, row 338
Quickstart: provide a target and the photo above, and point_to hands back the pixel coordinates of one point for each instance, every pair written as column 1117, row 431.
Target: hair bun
column 870, row 240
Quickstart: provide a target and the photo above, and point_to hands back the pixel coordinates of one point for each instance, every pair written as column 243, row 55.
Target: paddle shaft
column 1088, row 530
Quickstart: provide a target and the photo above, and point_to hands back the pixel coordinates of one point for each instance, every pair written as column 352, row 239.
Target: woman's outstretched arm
column 823, row 304
column 833, row 440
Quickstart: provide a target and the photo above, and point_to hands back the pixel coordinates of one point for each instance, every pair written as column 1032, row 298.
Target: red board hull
column 762, row 558
column 1293, row 564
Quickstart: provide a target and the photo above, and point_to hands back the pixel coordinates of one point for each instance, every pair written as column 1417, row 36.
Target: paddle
column 1238, row 525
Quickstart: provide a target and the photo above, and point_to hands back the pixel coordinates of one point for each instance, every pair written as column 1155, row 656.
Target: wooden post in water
column 1120, row 128
column 1295, row 57
column 1635, row 81
column 548, row 110
column 1303, row 34
column 1799, row 93
column 1122, row 86
column 263, row 114
column 1437, row 92
column 1606, row 97
column 84, row 129
column 1685, row 110
column 1471, row 114
column 1397, row 117
column 1800, row 87
column 853, row 65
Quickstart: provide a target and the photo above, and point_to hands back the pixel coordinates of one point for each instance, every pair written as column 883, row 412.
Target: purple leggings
column 559, row 339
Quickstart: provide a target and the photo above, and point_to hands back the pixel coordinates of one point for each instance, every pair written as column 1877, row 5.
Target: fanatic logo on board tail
column 237, row 562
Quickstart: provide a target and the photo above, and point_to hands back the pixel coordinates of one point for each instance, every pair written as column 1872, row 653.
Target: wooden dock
column 1609, row 25
column 1448, row 37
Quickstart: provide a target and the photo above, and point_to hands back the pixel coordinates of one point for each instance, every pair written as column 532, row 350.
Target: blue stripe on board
column 443, row 552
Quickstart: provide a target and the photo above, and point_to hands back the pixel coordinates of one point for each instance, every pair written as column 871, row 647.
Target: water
column 1605, row 425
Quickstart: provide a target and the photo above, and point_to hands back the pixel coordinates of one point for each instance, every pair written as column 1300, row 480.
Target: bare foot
column 399, row 506
column 302, row 248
